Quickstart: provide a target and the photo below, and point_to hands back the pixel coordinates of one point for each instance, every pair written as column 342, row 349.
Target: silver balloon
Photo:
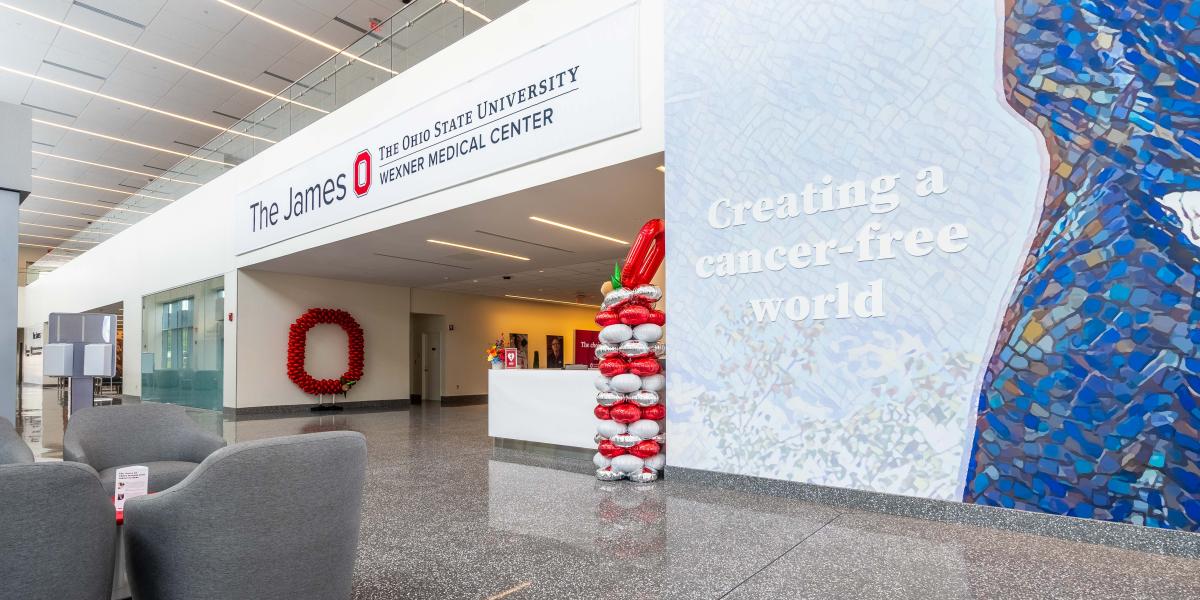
column 626, row 383
column 648, row 332
column 661, row 439
column 646, row 475
column 609, row 398
column 644, row 398
column 656, row 462
column 633, row 348
column 654, row 383
column 601, row 384
column 659, row 349
column 599, row 438
column 603, row 350
column 625, row 440
column 615, row 334
column 627, row 463
column 616, row 297
column 608, row 474
column 649, row 292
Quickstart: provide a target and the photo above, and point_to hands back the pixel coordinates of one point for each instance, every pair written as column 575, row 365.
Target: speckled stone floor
column 445, row 517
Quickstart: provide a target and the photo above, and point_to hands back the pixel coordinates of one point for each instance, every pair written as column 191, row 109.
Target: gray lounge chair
column 57, row 529
column 13, row 449
column 158, row 436
column 273, row 519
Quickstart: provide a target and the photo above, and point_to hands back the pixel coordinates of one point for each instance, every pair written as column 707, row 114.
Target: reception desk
column 550, row 406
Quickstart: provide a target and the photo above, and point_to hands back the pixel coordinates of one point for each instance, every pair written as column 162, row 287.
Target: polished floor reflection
column 444, row 517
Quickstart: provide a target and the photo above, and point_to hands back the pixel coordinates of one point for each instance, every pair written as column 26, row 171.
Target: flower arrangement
column 495, row 352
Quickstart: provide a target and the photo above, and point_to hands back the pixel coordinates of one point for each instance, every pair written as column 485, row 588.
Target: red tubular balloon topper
column 645, row 255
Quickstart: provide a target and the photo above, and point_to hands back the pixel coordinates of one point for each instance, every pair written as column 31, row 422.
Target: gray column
column 16, row 180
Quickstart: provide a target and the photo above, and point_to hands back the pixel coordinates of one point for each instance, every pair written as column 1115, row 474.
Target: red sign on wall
column 511, row 359
column 585, row 346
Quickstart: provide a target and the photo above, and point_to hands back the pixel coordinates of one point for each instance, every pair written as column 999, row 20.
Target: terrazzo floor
column 446, row 516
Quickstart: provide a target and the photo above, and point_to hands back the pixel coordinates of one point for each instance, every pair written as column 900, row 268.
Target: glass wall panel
column 183, row 345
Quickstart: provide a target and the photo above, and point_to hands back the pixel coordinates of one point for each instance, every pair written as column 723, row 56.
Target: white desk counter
column 551, row 406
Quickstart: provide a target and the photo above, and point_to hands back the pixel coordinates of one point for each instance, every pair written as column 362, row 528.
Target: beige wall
column 268, row 303
column 477, row 320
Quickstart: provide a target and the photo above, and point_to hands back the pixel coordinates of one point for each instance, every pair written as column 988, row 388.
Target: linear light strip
column 77, row 229
column 103, row 166
column 473, row 248
column 103, row 189
column 50, row 237
column 130, row 142
column 104, row 206
column 551, row 301
column 52, row 247
column 159, row 57
column 470, row 10
column 50, row 214
column 305, row 36
column 134, row 104
column 578, row 230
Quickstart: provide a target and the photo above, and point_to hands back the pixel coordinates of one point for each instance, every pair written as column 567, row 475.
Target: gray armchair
column 13, row 449
column 159, row 436
column 57, row 529
column 273, row 519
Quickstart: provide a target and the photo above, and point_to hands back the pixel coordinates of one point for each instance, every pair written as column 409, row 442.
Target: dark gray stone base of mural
column 251, row 412
column 1120, row 535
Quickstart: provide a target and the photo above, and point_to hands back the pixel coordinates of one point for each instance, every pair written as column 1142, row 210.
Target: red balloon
column 645, row 449
column 613, row 365
column 602, row 412
column 645, row 255
column 656, row 412
column 657, row 317
column 605, row 318
column 609, row 449
column 625, row 412
column 644, row 365
column 634, row 315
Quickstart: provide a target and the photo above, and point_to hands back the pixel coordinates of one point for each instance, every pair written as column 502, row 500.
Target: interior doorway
column 427, row 332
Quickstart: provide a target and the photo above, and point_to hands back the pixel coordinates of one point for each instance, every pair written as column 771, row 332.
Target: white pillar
column 16, row 180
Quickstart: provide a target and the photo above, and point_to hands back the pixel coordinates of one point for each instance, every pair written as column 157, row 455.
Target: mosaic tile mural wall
column 939, row 248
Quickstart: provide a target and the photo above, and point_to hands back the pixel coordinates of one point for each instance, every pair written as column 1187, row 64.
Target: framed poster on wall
column 554, row 352
column 585, row 346
column 511, row 359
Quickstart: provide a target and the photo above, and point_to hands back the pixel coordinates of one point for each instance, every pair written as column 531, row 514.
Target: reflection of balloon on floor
column 630, row 396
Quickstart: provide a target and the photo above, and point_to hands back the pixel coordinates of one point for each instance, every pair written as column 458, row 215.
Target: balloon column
column 629, row 404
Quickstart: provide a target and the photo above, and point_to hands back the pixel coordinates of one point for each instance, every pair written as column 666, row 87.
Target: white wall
column 192, row 239
column 268, row 304
column 477, row 320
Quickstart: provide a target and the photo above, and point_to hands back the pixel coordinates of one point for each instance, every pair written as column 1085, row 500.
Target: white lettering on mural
column 872, row 242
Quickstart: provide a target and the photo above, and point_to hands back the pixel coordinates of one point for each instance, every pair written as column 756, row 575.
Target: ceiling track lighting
column 103, row 206
column 579, row 230
column 551, row 301
column 470, row 10
column 103, row 189
column 130, row 142
column 50, row 237
column 133, row 104
column 51, row 247
column 104, row 166
column 76, row 229
column 474, row 249
column 159, row 57
column 305, row 36
column 88, row 219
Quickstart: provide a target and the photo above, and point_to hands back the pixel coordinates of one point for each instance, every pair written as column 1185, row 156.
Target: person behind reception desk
column 554, row 352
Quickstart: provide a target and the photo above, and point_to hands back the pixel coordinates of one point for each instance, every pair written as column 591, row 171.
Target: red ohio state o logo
column 362, row 173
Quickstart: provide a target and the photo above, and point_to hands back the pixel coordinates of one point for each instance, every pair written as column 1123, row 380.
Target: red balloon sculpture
column 298, row 342
column 630, row 414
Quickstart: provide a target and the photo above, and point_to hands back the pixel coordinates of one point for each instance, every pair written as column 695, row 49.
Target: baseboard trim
column 464, row 400
column 1076, row 529
column 294, row 409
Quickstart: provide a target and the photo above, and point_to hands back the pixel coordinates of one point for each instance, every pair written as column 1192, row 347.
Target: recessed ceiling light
column 466, row 8
column 473, row 248
column 103, row 189
column 52, row 247
column 661, row 168
column 50, row 237
column 104, row 206
column 134, row 104
column 103, row 166
column 305, row 36
column 89, row 220
column 578, row 230
column 130, row 142
column 62, row 228
column 551, row 301
column 159, row 57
